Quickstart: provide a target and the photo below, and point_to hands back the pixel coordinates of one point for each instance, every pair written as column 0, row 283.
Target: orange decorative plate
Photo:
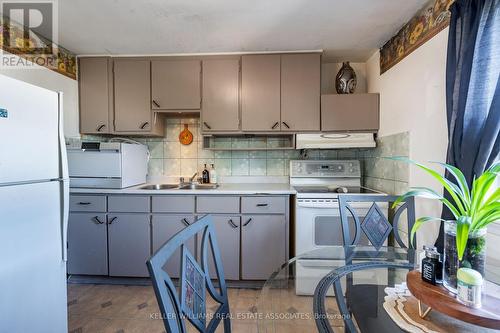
column 186, row 137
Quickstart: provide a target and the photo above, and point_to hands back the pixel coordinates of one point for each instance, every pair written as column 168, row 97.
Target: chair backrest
column 194, row 281
column 375, row 225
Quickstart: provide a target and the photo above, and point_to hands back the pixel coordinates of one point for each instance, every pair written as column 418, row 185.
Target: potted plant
column 473, row 209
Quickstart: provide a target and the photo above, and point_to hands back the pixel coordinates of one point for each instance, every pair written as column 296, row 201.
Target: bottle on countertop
column 213, row 174
column 205, row 175
column 432, row 266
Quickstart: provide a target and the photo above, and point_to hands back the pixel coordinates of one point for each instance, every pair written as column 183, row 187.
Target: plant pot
column 474, row 255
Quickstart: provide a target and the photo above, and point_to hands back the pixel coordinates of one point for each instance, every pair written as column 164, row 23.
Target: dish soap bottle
column 205, row 176
column 213, row 175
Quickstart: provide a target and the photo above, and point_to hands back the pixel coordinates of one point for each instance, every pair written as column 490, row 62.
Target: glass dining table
column 302, row 296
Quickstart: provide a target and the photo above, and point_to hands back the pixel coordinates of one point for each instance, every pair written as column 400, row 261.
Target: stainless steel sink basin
column 198, row 186
column 159, row 187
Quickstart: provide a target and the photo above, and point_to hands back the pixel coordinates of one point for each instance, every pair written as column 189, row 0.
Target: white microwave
column 107, row 164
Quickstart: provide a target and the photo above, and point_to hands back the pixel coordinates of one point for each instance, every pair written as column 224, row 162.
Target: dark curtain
column 472, row 89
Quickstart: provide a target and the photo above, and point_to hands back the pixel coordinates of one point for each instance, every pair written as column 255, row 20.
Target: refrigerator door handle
column 64, row 181
column 64, row 218
column 63, row 157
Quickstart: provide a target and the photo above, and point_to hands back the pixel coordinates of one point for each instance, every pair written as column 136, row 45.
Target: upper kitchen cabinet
column 132, row 88
column 96, row 95
column 221, row 91
column 260, row 93
column 350, row 112
column 300, row 92
column 175, row 85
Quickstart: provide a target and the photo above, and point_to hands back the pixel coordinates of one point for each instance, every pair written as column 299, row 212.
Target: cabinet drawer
column 128, row 203
column 217, row 204
column 173, row 204
column 87, row 203
column 266, row 205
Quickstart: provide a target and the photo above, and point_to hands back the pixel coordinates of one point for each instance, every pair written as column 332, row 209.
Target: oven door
column 318, row 224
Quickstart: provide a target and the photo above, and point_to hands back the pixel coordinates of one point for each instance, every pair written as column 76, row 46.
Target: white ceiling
column 344, row 29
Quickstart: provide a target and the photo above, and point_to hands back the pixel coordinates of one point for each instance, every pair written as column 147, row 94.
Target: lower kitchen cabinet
column 263, row 245
column 227, row 231
column 128, row 244
column 164, row 227
column 87, row 244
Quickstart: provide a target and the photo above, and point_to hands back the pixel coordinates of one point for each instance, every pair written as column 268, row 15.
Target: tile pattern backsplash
column 386, row 175
column 170, row 158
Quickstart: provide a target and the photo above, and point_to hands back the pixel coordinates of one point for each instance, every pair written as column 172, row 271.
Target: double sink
column 187, row 186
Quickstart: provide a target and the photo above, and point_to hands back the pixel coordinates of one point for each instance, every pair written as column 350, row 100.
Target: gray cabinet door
column 263, row 245
column 128, row 244
column 87, row 244
column 176, row 84
column 227, row 230
column 164, row 227
column 221, row 88
column 260, row 93
column 350, row 112
column 300, row 92
column 132, row 96
column 96, row 95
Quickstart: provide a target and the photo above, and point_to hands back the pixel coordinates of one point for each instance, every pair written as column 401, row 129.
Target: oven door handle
column 320, row 205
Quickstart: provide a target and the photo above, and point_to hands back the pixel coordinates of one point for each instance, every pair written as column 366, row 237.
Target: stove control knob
column 351, row 170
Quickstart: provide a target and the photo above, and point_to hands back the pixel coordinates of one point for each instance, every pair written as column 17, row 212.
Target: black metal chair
column 364, row 298
column 375, row 225
column 194, row 282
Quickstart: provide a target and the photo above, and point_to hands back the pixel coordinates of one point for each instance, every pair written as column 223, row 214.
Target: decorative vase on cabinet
column 474, row 255
column 345, row 81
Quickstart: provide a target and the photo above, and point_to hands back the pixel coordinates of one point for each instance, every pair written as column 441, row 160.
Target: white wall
column 412, row 98
column 48, row 79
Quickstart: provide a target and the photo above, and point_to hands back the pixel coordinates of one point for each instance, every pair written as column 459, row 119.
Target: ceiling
column 345, row 30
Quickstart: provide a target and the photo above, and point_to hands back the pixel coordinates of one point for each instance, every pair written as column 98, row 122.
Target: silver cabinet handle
column 112, row 220
column 97, row 221
column 144, row 125
column 186, row 222
column 84, row 203
column 275, row 125
column 286, row 125
column 156, row 103
column 262, row 205
column 100, row 127
column 247, row 222
column 232, row 224
column 207, row 125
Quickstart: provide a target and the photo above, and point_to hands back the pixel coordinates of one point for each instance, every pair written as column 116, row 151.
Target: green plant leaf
column 463, row 225
column 494, row 197
column 480, row 188
column 495, row 167
column 490, row 218
column 426, row 193
column 451, row 188
column 418, row 224
column 461, row 181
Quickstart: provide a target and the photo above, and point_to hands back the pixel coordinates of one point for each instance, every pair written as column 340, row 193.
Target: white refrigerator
column 34, row 190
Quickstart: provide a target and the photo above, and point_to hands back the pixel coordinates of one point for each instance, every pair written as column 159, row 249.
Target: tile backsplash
column 172, row 159
column 169, row 158
column 386, row 175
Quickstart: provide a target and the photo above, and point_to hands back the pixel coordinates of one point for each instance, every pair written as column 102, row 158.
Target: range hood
column 335, row 140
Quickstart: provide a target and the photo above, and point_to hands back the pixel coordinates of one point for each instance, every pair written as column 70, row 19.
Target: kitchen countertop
column 230, row 189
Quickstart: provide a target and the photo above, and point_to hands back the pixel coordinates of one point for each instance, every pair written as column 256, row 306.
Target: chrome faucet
column 193, row 177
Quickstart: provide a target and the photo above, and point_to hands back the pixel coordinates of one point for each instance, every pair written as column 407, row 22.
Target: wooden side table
column 440, row 299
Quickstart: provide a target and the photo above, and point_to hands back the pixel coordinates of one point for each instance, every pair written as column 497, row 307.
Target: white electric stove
column 317, row 216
